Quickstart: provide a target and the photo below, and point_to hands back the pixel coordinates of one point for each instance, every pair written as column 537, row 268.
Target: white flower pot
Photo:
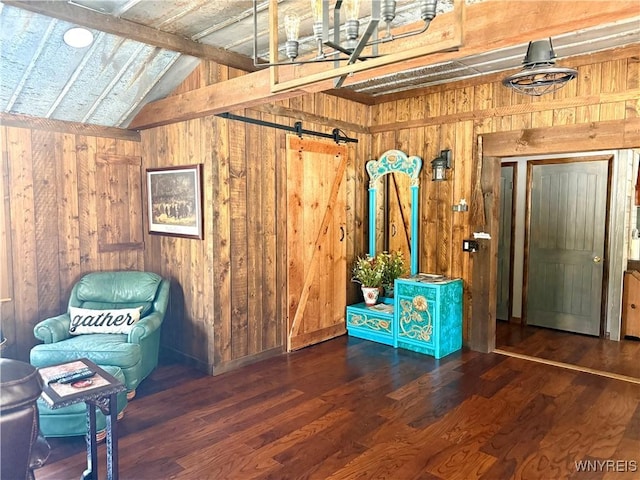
column 370, row 295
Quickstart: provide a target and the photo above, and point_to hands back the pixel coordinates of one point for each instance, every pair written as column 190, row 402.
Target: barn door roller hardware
column 336, row 135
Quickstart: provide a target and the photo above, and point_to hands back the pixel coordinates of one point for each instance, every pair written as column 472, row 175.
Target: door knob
column 597, row 259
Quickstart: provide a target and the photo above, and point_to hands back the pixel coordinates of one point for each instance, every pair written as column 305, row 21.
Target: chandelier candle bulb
column 352, row 11
column 317, row 11
column 292, row 29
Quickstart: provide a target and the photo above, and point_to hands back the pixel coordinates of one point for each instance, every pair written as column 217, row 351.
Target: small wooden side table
column 99, row 391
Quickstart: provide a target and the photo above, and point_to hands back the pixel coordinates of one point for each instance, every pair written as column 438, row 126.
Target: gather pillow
column 85, row 320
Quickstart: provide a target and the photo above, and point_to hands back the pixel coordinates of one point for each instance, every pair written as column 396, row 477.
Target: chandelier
column 337, row 42
column 539, row 75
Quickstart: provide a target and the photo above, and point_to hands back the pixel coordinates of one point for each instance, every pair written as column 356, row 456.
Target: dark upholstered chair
column 136, row 352
column 22, row 446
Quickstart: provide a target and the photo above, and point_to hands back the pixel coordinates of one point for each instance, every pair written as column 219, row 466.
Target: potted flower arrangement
column 394, row 267
column 369, row 271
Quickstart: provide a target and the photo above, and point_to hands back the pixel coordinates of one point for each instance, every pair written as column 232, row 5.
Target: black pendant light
column 539, row 74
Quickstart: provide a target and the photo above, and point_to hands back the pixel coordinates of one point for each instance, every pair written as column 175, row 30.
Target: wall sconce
column 463, row 206
column 440, row 165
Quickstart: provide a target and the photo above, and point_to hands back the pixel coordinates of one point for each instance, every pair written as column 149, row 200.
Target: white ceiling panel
column 107, row 82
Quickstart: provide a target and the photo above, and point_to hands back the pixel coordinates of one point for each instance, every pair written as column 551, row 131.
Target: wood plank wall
column 59, row 217
column 453, row 116
column 229, row 298
column 228, row 292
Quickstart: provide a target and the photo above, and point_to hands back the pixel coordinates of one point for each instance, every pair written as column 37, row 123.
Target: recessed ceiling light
column 78, row 37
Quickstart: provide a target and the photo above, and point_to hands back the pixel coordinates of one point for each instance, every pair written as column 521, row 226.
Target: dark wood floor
column 622, row 358
column 349, row 409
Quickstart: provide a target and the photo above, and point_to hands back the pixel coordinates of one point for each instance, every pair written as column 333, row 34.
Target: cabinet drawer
column 411, row 289
column 370, row 324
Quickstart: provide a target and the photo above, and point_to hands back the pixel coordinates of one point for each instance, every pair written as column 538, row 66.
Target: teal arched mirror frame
column 394, row 161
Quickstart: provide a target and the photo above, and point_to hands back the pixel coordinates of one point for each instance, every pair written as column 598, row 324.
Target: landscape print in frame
column 174, row 198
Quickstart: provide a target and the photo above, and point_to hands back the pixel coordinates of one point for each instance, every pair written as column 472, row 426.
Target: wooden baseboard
column 241, row 362
column 211, row 369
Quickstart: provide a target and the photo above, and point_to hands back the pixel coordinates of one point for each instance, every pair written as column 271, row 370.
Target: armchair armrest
column 145, row 327
column 40, row 452
column 53, row 329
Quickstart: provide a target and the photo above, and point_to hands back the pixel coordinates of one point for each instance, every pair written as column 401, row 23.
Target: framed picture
column 174, row 198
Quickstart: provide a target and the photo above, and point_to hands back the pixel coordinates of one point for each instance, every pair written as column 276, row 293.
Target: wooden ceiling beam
column 246, row 91
column 488, row 26
column 62, row 126
column 124, row 28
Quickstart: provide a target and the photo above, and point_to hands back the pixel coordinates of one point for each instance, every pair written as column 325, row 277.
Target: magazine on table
column 60, row 386
column 382, row 307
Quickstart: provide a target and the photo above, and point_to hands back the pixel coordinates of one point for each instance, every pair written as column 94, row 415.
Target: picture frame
column 174, row 201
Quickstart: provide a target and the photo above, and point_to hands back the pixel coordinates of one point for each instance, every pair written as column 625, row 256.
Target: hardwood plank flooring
column 349, row 408
column 622, row 358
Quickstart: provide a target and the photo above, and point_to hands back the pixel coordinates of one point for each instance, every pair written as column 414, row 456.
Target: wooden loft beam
column 134, row 31
column 617, row 53
column 488, row 26
column 241, row 92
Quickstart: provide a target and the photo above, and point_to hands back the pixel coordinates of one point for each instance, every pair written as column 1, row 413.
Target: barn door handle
column 393, row 230
column 341, row 233
column 597, row 259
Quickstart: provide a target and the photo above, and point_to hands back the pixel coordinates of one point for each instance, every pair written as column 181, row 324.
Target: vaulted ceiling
column 143, row 49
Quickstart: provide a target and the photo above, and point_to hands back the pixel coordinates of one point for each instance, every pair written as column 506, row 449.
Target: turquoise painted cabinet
column 428, row 316
column 372, row 323
column 425, row 317
column 426, row 313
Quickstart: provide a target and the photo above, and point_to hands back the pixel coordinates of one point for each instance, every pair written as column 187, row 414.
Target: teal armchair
column 136, row 352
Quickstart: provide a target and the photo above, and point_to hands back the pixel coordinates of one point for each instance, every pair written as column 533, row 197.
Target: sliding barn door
column 316, row 241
